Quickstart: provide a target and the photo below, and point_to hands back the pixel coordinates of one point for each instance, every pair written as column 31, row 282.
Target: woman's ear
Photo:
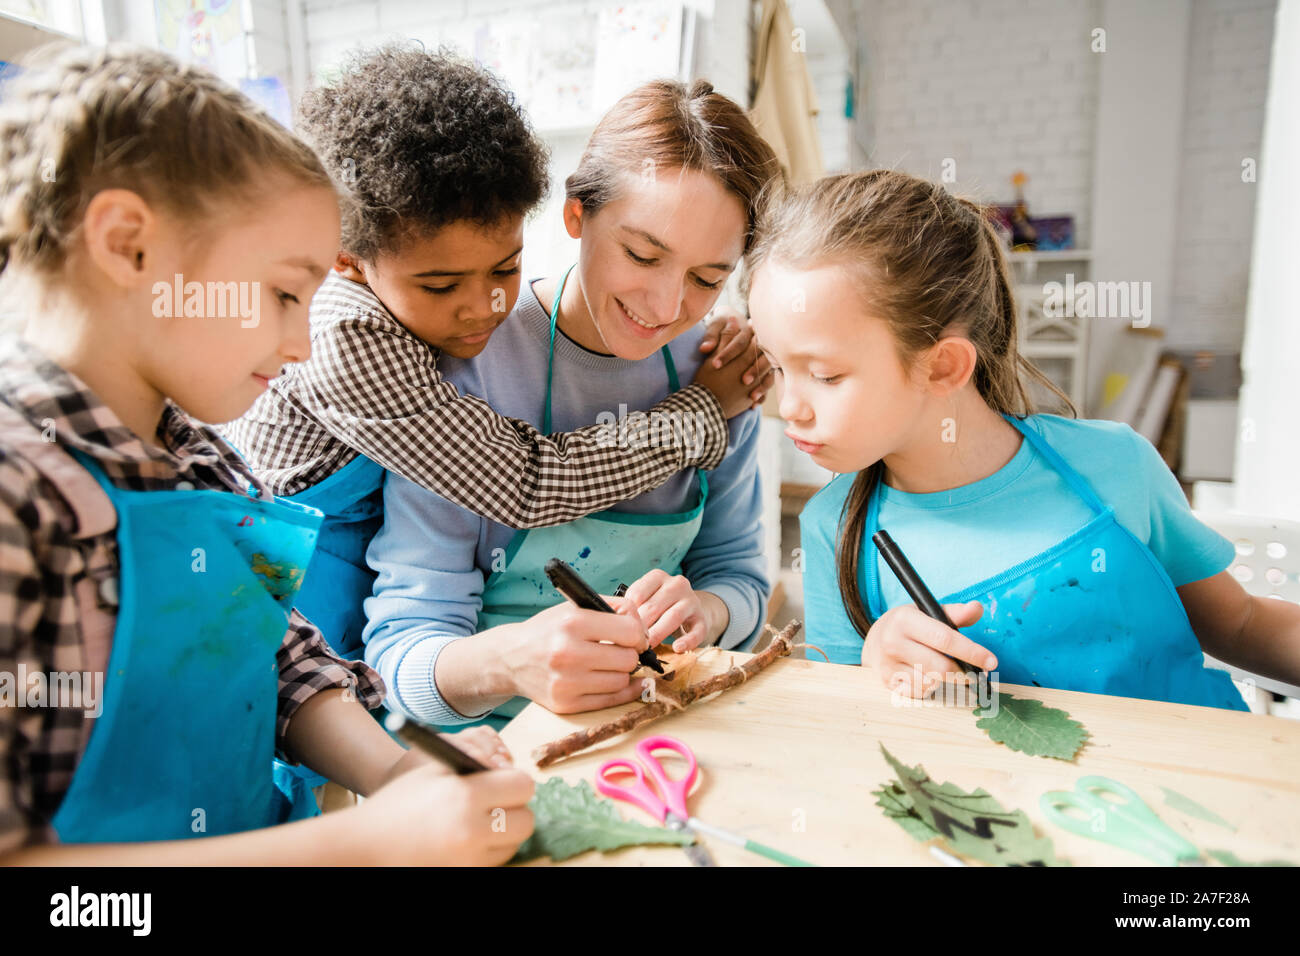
column 120, row 233
column 349, row 267
column 573, row 213
column 950, row 364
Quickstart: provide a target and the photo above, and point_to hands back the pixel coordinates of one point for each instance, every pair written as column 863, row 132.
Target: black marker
column 433, row 745
column 568, row 583
column 916, row 588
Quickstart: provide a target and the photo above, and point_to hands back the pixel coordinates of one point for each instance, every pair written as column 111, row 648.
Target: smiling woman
column 463, row 622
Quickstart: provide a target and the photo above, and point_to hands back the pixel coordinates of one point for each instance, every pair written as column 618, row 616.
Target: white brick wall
column 1226, row 86
column 996, row 85
column 1000, row 85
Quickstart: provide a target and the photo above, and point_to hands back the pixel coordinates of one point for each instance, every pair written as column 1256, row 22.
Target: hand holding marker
column 426, row 740
column 918, row 592
column 573, row 587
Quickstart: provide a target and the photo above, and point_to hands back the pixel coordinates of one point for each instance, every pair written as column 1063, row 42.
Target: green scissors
column 1128, row 823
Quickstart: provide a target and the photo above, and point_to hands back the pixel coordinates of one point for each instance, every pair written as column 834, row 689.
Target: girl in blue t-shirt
column 1063, row 549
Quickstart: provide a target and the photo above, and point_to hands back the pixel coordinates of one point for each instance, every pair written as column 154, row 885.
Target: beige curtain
column 784, row 104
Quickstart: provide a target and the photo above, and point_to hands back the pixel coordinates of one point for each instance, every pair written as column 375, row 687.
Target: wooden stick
column 582, row 739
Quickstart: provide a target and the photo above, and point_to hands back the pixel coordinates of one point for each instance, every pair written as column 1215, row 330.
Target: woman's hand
column 570, row 660
column 913, row 653
column 667, row 602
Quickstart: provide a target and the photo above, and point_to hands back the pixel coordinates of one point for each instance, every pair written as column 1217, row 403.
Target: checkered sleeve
column 379, row 391
column 20, row 615
column 308, row 666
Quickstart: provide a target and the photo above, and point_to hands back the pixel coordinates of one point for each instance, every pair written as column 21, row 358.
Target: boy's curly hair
column 420, row 140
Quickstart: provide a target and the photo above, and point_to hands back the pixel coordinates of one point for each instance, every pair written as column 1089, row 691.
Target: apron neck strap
column 871, row 567
column 1072, row 478
column 673, row 383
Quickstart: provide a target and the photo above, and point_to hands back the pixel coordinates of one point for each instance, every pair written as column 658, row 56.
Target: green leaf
column 571, row 820
column 1193, row 809
column 1228, row 858
column 897, row 805
column 1032, row 728
column 973, row 824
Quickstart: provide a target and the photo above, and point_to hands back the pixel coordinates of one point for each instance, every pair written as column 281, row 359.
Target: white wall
column 1142, row 144
column 997, row 86
column 1227, row 80
column 1268, row 453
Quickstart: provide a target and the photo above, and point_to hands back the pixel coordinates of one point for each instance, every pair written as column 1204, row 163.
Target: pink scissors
column 670, row 809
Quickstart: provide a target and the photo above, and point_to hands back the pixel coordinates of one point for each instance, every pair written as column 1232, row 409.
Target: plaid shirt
column 371, row 387
column 41, row 563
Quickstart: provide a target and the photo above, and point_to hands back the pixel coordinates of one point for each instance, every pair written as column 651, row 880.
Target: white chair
column 1267, row 564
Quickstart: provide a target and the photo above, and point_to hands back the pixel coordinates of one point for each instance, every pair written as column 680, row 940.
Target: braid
column 76, row 120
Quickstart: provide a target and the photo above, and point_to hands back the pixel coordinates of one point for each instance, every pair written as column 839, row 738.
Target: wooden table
column 790, row 759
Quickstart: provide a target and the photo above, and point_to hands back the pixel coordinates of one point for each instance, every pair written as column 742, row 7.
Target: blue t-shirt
column 959, row 537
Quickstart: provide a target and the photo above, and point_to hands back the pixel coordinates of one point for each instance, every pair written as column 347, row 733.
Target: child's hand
column 737, row 373
column 913, row 652
column 428, row 817
column 665, row 602
column 483, row 744
column 570, row 660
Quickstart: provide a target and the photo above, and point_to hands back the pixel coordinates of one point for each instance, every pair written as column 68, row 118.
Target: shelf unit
column 1057, row 345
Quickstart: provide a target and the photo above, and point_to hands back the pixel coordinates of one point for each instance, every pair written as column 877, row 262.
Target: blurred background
column 1142, row 154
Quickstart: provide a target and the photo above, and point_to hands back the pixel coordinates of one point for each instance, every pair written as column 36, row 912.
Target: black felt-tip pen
column 916, row 588
column 568, row 583
column 433, row 745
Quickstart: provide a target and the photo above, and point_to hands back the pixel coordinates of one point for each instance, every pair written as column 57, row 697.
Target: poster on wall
column 568, row 66
column 635, row 42
column 208, row 33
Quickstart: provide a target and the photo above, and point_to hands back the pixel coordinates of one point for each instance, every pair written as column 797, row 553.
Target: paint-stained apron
column 339, row 580
column 608, row 548
column 1097, row 612
column 185, row 742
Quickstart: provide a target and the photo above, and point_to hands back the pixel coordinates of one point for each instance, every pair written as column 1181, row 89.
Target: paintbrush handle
column 735, row 839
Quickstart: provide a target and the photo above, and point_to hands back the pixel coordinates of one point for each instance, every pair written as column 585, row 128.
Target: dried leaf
column 572, row 820
column 973, row 824
column 1031, row 727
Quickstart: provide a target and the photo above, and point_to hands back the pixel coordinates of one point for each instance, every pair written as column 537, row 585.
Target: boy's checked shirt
column 372, row 387
column 41, row 564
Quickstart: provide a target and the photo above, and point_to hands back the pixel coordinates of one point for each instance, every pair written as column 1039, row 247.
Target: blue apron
column 607, row 548
column 184, row 745
column 1097, row 612
column 339, row 580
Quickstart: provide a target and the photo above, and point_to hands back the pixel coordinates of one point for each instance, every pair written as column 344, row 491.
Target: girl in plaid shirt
column 167, row 237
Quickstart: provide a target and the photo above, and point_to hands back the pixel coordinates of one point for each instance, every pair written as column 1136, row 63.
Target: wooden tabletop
column 790, row 758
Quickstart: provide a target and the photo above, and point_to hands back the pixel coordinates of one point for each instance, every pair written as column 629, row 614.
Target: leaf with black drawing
column 571, row 820
column 1031, row 727
column 897, row 805
column 973, row 824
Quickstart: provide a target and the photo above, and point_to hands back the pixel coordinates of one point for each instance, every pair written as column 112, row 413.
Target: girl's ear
column 950, row 364
column 120, row 232
column 573, row 213
column 349, row 267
